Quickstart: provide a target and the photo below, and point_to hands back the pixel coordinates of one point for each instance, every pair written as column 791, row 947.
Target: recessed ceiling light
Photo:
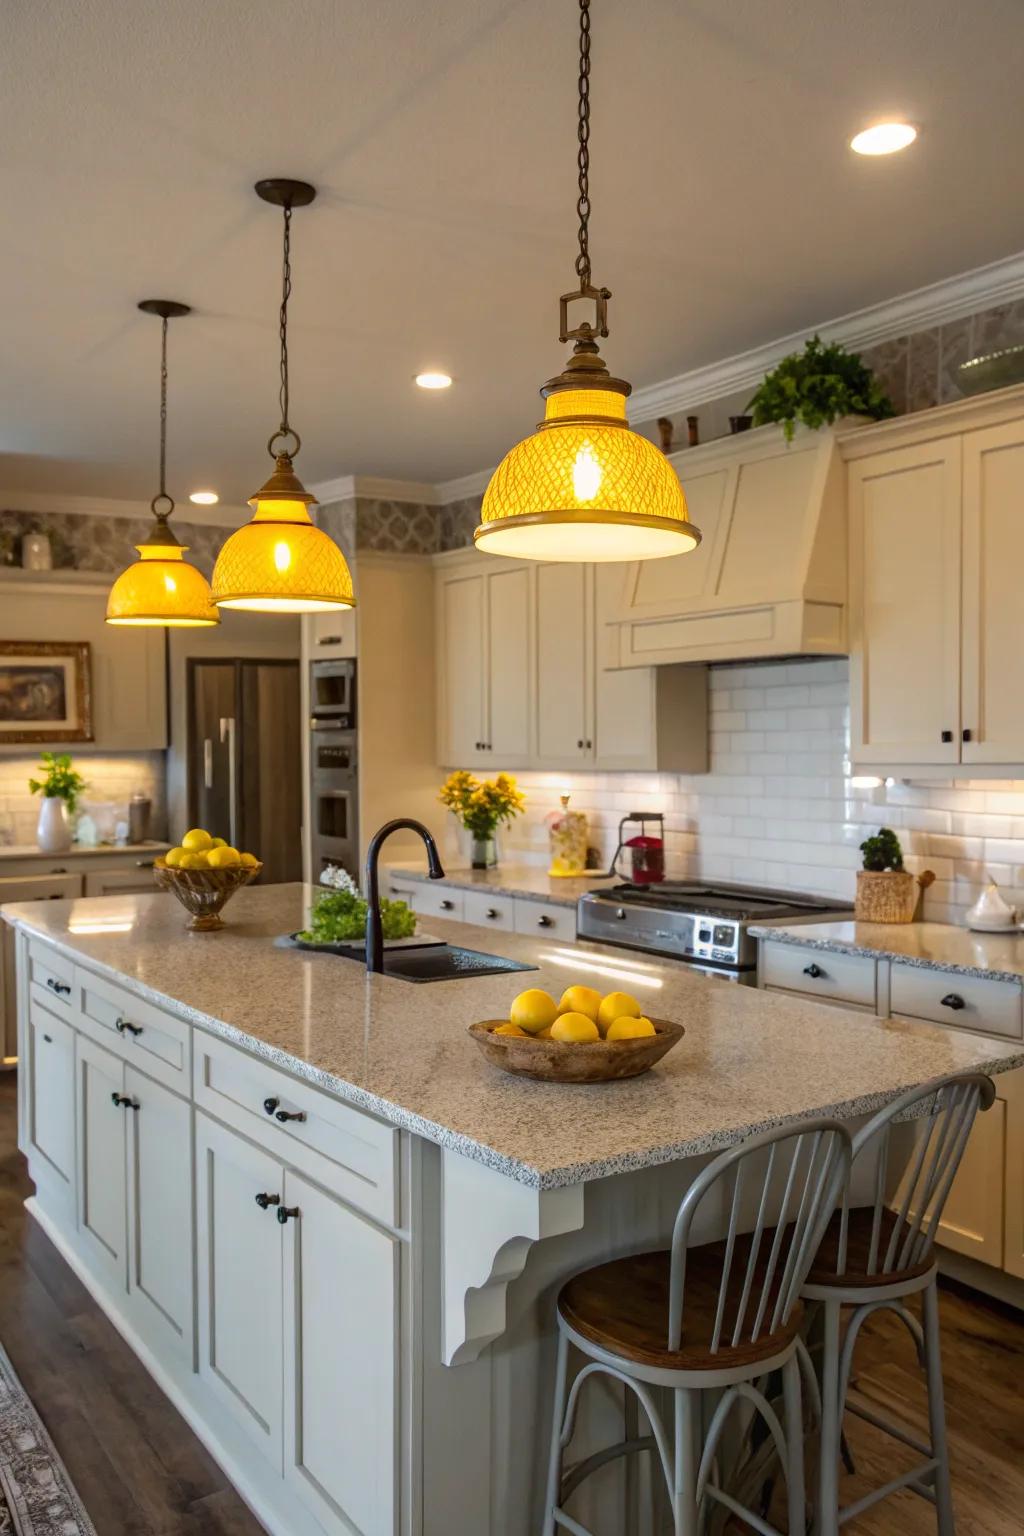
column 433, row 380
column 204, row 498
column 883, row 139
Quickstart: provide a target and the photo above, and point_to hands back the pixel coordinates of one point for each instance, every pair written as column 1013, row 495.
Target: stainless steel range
column 702, row 923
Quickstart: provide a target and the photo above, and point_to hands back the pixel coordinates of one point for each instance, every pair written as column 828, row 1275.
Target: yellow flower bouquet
column 481, row 806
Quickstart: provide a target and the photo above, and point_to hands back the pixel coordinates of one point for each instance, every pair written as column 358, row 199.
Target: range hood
column 769, row 578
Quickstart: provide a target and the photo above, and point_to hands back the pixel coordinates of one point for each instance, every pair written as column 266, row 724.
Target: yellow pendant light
column 583, row 486
column 161, row 588
column 280, row 562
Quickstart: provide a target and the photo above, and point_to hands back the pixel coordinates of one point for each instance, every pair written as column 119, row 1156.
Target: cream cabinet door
column 50, row 1102
column 330, row 635
column 564, row 651
column 160, row 1250
column 138, row 880
column 462, row 605
column 993, row 615
column 102, row 1122
column 507, row 739
column 238, row 1243
column 625, row 729
column 972, row 1222
column 1010, row 1087
column 341, row 1362
column 905, row 605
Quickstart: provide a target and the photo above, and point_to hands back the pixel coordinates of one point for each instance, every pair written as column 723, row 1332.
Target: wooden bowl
column 203, row 892
column 558, row 1061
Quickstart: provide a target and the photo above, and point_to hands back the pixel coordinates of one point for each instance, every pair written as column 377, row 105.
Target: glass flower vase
column 483, row 852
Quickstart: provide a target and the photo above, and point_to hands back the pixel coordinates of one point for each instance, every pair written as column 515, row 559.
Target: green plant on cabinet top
column 816, row 387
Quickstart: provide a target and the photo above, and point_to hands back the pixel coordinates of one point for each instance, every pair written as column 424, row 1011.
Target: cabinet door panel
column 993, row 618
column 562, row 661
column 239, row 1264
column 905, row 605
column 508, row 667
column 1011, row 1088
column 341, row 1367
column 462, row 670
column 51, row 1100
column 624, row 703
column 160, row 1213
column 972, row 1222
column 102, row 1129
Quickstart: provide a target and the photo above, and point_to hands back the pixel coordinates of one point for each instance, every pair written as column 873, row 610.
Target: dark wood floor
column 142, row 1472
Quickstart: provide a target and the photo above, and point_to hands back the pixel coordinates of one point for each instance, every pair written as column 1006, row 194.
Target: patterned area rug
column 36, row 1495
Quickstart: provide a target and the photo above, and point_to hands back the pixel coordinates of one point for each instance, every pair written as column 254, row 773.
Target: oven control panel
column 714, row 939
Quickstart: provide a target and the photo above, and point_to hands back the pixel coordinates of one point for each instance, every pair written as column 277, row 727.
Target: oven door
column 332, row 695
column 333, row 757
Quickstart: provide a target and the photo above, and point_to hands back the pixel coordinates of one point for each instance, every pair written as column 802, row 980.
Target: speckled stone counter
column 939, row 946
column 749, row 1059
column 528, row 880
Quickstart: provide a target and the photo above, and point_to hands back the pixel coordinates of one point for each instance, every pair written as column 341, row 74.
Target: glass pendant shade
column 280, row 562
column 162, row 588
column 585, row 487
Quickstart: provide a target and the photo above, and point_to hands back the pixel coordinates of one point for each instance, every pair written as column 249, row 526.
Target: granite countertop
column 749, row 1059
column 33, row 851
column 528, row 880
column 938, row 946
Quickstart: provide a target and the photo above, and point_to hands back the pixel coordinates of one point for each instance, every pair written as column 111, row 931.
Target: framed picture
column 45, row 691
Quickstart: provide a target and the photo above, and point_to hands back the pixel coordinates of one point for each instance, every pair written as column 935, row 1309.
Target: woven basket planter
column 885, row 896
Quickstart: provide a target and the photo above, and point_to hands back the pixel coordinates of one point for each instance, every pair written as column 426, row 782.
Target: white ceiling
column 727, row 209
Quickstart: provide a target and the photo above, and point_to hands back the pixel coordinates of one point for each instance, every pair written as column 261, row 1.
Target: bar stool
column 875, row 1258
column 708, row 1323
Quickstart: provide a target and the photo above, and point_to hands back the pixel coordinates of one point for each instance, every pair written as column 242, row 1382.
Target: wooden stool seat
column 622, row 1307
column 823, row 1271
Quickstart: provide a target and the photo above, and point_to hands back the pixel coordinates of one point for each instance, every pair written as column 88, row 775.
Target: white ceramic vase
column 53, row 833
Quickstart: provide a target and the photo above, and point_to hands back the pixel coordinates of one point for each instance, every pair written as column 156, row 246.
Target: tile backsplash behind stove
column 779, row 808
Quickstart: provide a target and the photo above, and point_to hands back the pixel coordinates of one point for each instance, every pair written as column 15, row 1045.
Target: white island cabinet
column 334, row 1234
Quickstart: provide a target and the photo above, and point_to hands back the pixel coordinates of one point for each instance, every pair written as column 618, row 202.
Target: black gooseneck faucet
column 374, row 931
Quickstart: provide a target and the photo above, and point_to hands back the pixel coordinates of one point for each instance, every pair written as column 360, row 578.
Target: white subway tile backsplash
column 778, row 807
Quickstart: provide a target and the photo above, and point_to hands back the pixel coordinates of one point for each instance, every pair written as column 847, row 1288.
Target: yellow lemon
column 218, row 842
column 196, row 840
column 574, row 1027
column 173, row 856
column 533, row 1010
column 628, row 1028
column 249, row 860
column 581, row 1000
column 616, row 1005
column 543, row 1034
column 191, row 861
column 511, row 1029
column 224, row 857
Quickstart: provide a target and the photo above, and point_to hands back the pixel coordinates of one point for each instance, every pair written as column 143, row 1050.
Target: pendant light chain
column 285, row 429
column 166, row 502
column 583, row 153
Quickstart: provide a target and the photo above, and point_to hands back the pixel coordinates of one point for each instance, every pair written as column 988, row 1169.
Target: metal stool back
column 790, row 1180
column 898, row 1262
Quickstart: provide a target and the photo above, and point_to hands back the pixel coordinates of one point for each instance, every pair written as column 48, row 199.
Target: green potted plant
column 481, row 805
column 60, row 788
column 816, row 387
column 886, row 892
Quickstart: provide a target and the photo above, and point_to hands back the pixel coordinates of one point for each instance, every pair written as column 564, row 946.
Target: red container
column 647, row 860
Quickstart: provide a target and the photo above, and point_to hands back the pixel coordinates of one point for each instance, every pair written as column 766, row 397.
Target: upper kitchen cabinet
column 129, row 688
column 330, row 635
column 936, row 625
column 527, row 674
column 769, row 577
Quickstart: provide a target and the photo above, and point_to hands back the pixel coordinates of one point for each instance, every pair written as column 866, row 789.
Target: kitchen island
column 332, row 1232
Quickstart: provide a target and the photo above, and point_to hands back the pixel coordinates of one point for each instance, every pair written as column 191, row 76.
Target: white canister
column 36, row 554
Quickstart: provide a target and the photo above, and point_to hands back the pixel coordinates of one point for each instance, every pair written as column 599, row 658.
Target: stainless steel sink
column 446, row 962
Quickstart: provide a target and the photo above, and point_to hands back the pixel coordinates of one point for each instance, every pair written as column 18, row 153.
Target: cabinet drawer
column 438, row 901
column 489, row 911
column 153, row 1041
column 350, row 1152
column 51, row 974
column 546, row 921
column 965, row 1002
column 819, row 973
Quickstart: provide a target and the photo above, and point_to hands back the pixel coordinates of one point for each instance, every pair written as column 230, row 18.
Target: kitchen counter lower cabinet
column 273, row 1323
column 983, row 1221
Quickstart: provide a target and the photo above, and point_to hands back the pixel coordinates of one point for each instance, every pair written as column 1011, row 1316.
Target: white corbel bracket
column 489, row 1223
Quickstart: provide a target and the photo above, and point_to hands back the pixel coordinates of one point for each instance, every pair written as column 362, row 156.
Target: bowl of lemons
column 585, row 1037
column 204, row 872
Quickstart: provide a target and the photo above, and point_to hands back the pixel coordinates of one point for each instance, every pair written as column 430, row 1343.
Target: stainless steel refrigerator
column 245, row 758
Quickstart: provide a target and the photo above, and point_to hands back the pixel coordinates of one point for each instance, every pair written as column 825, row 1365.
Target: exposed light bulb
column 586, row 474
column 170, row 585
column 282, row 556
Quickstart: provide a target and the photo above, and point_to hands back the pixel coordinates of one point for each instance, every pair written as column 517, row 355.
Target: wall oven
column 332, row 695
column 334, row 799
